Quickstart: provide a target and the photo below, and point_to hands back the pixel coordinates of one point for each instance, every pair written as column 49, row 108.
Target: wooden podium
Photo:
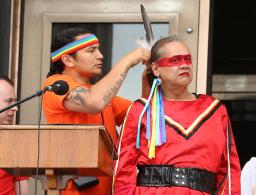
column 56, row 150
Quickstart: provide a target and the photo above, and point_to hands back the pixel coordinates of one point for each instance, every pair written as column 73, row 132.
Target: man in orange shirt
column 76, row 59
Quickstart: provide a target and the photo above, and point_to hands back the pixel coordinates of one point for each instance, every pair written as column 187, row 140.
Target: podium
column 56, row 150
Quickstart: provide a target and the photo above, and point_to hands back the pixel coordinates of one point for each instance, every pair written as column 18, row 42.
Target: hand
column 136, row 56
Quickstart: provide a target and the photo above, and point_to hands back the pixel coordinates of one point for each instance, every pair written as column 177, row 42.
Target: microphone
column 59, row 87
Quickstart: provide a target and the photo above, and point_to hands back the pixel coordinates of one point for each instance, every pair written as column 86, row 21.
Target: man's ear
column 67, row 60
column 155, row 69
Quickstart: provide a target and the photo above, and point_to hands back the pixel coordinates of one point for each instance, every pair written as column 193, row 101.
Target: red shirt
column 191, row 141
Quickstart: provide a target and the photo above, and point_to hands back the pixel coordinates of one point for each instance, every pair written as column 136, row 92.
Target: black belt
column 164, row 175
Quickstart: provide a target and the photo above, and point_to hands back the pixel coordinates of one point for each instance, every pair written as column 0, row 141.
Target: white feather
column 144, row 44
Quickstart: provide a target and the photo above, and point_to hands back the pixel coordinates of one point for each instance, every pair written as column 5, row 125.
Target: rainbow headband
column 74, row 46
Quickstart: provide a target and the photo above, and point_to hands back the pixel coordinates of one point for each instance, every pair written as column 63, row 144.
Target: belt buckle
column 179, row 177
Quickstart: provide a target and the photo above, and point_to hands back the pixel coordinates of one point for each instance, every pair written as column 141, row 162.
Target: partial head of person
column 170, row 61
column 7, row 97
column 76, row 51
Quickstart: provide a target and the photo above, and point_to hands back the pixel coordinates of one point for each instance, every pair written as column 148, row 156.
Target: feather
column 147, row 26
column 144, row 44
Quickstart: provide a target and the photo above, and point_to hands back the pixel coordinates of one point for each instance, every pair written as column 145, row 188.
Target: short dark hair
column 61, row 39
column 5, row 78
column 156, row 54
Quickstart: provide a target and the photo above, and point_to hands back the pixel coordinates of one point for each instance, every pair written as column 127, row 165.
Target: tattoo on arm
column 75, row 96
column 116, row 86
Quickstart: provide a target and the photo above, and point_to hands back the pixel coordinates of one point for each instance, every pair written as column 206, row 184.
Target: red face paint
column 174, row 61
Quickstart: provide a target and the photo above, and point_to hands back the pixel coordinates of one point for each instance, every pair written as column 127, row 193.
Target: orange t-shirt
column 56, row 113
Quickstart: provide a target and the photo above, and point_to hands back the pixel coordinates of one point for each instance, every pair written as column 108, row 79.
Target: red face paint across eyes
column 174, row 61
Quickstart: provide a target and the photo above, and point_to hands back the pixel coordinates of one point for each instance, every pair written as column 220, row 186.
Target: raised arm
column 94, row 99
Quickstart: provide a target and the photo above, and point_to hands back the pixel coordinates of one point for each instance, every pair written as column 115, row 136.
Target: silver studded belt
column 167, row 176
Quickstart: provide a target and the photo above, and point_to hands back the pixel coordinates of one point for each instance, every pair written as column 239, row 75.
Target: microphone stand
column 38, row 93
